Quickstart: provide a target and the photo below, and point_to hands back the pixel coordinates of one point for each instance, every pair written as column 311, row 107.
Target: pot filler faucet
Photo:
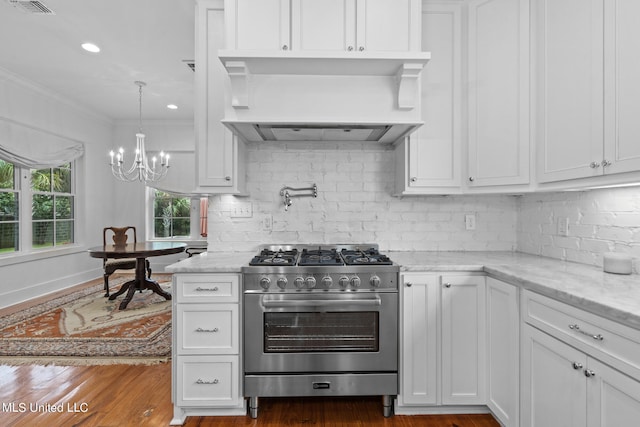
column 287, row 196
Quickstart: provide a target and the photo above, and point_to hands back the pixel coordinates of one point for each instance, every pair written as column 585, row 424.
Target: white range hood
column 301, row 96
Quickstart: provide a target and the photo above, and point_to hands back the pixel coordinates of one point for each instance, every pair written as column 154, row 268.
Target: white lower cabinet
column 577, row 369
column 206, row 371
column 442, row 341
column 463, row 339
column 418, row 336
column 503, row 351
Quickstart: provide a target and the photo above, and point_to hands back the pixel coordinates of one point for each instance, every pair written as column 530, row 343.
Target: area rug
column 85, row 328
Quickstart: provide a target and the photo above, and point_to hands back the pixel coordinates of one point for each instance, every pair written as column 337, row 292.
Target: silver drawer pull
column 577, row 365
column 199, row 289
column 201, row 381
column 576, row 328
column 207, row 330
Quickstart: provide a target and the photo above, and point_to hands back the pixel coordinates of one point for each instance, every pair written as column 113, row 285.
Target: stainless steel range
column 320, row 321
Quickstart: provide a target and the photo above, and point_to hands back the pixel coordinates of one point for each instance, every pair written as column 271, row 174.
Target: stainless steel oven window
column 307, row 332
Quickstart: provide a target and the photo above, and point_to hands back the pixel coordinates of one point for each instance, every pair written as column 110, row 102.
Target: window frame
column 26, row 250
column 194, row 223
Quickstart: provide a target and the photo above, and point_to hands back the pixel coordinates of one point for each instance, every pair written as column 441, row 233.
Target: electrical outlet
column 267, row 223
column 470, row 222
column 563, row 226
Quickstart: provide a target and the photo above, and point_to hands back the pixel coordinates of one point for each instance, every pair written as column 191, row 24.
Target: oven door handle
column 270, row 303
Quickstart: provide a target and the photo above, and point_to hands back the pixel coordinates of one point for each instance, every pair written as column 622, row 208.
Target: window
column 9, row 198
column 37, row 208
column 52, row 207
column 171, row 215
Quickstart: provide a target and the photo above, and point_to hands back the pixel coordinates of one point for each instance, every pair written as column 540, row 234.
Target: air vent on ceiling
column 33, row 7
column 190, row 63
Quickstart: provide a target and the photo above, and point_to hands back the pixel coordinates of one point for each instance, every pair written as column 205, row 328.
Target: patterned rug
column 86, row 328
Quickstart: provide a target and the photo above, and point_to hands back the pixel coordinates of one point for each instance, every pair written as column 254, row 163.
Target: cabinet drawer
column 207, row 328
column 208, row 381
column 608, row 340
column 207, row 287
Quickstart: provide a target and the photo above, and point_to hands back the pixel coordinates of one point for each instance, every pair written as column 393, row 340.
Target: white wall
column 23, row 278
column 600, row 221
column 354, row 204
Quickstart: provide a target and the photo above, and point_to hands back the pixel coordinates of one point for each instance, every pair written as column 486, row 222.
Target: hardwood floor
column 130, row 395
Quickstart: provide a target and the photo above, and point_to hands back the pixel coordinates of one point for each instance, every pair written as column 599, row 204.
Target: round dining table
column 140, row 251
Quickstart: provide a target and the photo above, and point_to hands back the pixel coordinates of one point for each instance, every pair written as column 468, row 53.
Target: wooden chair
column 119, row 235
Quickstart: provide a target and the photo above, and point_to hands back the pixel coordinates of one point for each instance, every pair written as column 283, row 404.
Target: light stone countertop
column 613, row 296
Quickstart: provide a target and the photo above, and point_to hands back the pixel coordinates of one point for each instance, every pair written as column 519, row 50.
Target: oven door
column 321, row 332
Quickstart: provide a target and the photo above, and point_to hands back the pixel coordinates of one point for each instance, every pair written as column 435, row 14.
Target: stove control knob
column 343, row 281
column 311, row 282
column 374, row 281
column 327, row 281
column 355, row 282
column 282, row 282
column 265, row 282
column 298, row 282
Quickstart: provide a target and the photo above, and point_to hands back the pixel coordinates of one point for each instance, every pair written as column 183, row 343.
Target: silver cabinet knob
column 447, row 285
column 605, row 163
column 413, row 179
column 227, row 178
column 285, row 47
column 361, row 48
column 408, row 284
column 471, row 179
column 350, row 48
column 589, row 373
column 577, row 365
column 594, row 165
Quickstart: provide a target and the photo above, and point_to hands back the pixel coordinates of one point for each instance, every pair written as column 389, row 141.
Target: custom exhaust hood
column 301, row 96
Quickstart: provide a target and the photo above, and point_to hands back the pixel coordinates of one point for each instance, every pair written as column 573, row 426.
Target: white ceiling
column 145, row 40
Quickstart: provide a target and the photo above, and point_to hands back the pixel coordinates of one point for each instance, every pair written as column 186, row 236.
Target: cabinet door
column 418, row 326
column 569, row 56
column 613, row 398
column 323, row 25
column 553, row 391
column 388, row 25
column 463, row 339
column 218, row 151
column 622, row 87
column 258, row 24
column 498, row 93
column 503, row 351
column 430, row 158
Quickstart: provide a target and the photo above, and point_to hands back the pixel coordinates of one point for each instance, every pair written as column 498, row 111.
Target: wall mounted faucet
column 287, row 196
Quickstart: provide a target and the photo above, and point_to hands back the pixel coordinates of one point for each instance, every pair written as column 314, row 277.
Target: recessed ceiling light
column 172, row 107
column 90, row 47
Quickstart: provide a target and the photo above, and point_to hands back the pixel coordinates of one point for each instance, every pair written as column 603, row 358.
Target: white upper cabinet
column 324, row 25
column 569, row 70
column 258, row 24
column 622, row 87
column 220, row 156
column 587, row 88
column 428, row 162
column 498, row 89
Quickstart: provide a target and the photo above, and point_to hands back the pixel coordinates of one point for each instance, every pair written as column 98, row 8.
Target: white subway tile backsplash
column 354, row 204
column 599, row 221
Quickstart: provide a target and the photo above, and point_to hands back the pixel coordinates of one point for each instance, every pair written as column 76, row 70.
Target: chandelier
column 140, row 169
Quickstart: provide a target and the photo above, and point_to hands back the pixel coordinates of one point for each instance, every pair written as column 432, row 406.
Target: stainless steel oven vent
column 33, row 7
